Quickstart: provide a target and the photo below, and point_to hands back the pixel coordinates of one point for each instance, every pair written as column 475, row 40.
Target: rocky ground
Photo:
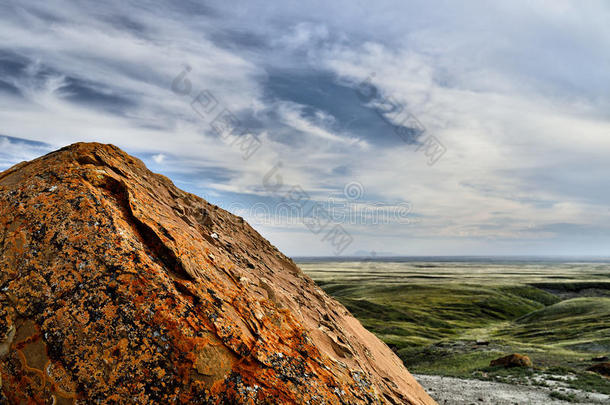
column 456, row 391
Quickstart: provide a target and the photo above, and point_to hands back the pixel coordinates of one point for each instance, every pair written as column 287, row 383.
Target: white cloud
column 159, row 158
column 516, row 91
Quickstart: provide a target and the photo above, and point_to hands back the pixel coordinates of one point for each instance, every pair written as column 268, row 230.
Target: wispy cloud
column 517, row 91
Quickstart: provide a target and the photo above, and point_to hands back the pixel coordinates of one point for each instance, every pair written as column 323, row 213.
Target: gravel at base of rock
column 457, row 391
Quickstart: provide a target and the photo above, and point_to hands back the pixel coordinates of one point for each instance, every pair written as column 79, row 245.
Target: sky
column 341, row 127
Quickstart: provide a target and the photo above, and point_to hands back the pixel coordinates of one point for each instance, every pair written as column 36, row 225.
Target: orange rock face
column 117, row 287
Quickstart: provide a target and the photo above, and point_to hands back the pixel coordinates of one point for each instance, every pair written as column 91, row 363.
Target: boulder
column 117, row 287
column 512, row 360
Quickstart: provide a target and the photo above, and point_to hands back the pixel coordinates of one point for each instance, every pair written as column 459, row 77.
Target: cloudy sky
column 396, row 127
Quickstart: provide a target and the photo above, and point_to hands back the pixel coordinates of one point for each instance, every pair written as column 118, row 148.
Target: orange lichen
column 112, row 290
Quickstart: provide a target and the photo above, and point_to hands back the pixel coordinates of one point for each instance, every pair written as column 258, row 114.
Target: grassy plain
column 453, row 318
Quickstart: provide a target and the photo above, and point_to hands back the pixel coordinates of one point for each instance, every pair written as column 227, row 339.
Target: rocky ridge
column 117, row 287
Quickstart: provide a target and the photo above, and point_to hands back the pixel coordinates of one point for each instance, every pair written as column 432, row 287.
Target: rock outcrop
column 117, row 287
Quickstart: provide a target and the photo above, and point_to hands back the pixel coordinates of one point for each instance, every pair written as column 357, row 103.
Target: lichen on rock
column 117, row 287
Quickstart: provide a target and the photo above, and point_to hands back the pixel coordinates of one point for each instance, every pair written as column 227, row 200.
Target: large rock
column 512, row 360
column 117, row 287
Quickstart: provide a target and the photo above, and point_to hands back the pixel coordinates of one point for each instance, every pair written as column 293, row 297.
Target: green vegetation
column 582, row 380
column 577, row 323
column 563, row 397
column 439, row 324
column 404, row 315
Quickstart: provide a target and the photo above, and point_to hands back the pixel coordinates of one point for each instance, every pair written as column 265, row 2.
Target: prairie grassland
column 453, row 318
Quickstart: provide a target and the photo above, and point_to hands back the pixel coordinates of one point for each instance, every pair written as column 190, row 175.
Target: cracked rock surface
column 117, row 287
